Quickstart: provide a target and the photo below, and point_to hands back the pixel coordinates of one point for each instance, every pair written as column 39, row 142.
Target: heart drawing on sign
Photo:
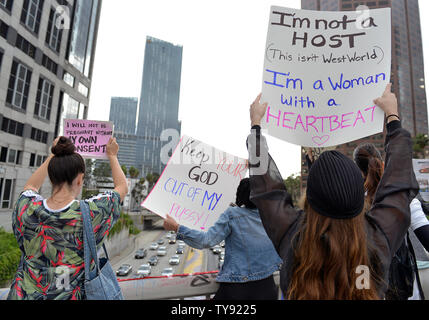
column 320, row 140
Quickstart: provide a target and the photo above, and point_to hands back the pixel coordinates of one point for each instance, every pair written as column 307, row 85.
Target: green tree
column 137, row 192
column 152, row 178
column 293, row 186
column 134, row 173
column 420, row 142
column 89, row 173
column 10, row 255
column 102, row 170
column 123, row 222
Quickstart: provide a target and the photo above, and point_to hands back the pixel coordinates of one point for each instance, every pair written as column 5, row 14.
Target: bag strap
column 416, row 270
column 90, row 250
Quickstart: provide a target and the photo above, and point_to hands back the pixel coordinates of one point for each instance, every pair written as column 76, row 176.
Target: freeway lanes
column 191, row 260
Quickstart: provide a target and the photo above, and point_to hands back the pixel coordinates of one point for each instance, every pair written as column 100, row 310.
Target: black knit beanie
column 335, row 187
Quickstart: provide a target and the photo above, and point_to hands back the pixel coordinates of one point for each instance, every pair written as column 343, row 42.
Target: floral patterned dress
column 52, row 264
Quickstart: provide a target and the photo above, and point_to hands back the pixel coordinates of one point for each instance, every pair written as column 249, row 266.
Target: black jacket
column 387, row 220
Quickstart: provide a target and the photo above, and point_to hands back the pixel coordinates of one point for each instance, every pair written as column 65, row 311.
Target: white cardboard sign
column 198, row 184
column 322, row 71
column 421, row 170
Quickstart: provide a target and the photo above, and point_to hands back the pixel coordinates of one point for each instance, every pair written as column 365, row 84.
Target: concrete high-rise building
column 407, row 72
column 123, row 114
column 47, row 50
column 159, row 101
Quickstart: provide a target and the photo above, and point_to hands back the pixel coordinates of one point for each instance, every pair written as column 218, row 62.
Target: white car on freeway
column 174, row 260
column 167, row 272
column 144, row 270
column 162, row 251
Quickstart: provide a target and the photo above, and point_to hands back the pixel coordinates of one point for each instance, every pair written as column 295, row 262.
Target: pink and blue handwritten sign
column 89, row 137
column 198, row 184
column 322, row 71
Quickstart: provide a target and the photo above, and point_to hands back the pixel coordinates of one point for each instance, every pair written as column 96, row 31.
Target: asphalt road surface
column 207, row 260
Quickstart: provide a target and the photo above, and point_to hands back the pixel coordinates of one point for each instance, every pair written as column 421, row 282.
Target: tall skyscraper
column 123, row 113
column 159, row 101
column 47, row 50
column 407, row 72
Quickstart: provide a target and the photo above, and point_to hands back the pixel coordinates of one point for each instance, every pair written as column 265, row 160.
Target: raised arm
column 268, row 191
column 36, row 180
column 398, row 185
column 200, row 239
column 119, row 179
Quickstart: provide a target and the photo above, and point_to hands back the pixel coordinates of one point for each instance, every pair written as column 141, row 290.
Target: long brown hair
column 369, row 161
column 326, row 258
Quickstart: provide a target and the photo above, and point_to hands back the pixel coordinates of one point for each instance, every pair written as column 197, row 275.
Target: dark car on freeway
column 153, row 260
column 140, row 253
column 179, row 250
column 124, row 270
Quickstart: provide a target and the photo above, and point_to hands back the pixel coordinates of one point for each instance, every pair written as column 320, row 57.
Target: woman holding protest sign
column 333, row 249
column 50, row 231
column 404, row 264
column 250, row 258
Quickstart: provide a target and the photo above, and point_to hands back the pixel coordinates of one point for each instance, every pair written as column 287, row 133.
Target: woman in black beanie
column 333, row 249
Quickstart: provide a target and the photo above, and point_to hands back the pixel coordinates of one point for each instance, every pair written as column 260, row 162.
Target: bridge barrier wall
column 172, row 287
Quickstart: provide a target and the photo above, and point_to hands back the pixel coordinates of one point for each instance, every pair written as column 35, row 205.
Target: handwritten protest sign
column 322, row 72
column 421, row 170
column 197, row 185
column 89, row 137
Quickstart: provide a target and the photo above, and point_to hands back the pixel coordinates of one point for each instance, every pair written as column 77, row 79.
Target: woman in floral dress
column 50, row 231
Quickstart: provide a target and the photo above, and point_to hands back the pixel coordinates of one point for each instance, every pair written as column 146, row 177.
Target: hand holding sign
column 112, row 148
column 388, row 102
column 170, row 224
column 257, row 111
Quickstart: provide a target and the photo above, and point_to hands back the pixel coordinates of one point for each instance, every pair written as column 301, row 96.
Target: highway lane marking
column 193, row 261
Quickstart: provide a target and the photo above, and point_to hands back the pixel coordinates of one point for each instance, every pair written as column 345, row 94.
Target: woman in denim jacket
column 250, row 257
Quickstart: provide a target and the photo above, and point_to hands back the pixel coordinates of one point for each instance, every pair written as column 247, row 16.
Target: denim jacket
column 249, row 253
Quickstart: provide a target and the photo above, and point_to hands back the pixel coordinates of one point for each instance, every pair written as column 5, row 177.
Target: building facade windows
column 4, row 29
column 83, row 89
column 45, row 92
column 39, row 135
column 80, row 47
column 36, row 160
column 19, row 85
column 9, row 155
column 69, row 79
column 53, row 34
column 6, row 4
column 6, row 191
column 25, row 46
column 12, row 127
column 31, row 14
column 49, row 64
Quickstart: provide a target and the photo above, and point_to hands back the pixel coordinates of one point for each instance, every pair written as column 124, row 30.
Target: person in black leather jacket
column 334, row 217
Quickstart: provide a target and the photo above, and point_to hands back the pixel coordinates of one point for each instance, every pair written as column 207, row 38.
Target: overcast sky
column 223, row 54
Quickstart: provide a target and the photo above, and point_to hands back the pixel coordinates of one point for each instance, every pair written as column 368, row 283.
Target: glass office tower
column 159, row 102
